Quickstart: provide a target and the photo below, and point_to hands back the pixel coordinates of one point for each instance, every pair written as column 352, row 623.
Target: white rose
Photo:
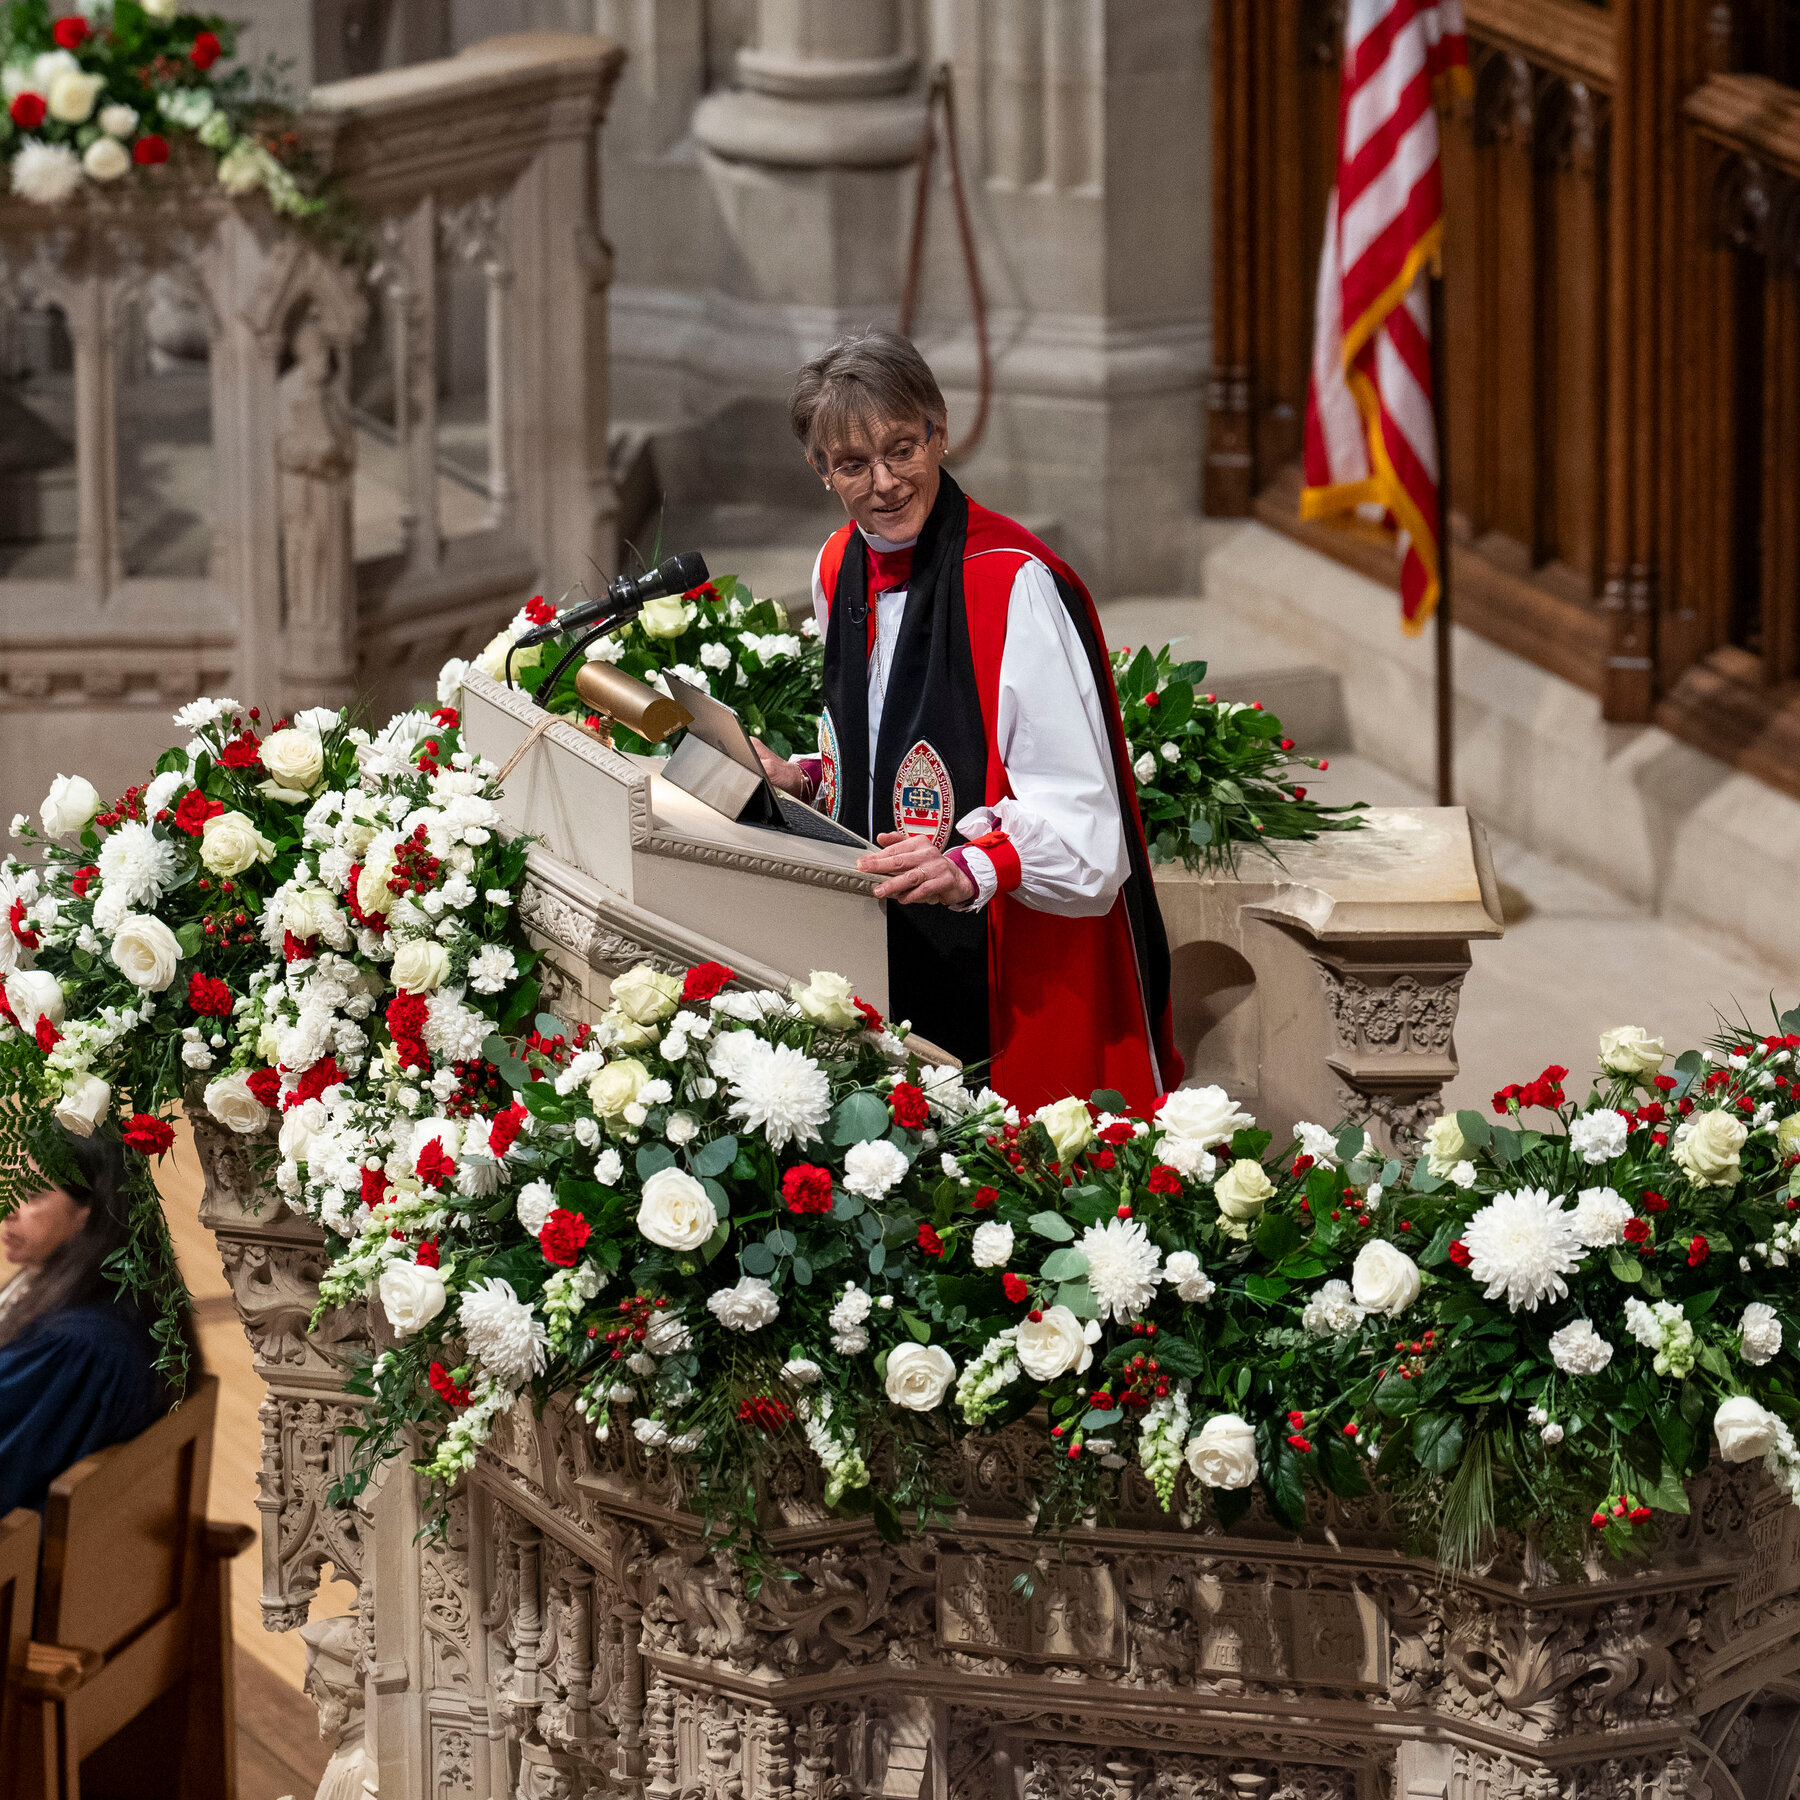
column 298, row 1129
column 310, row 913
column 412, row 1295
column 1445, row 1145
column 918, row 1375
column 33, row 994
column 231, row 1102
column 105, row 159
column 616, row 1087
column 1070, row 1125
column 1205, row 1116
column 420, row 966
column 1242, row 1192
column 295, row 759
column 1629, row 1050
column 145, row 952
column 68, row 806
column 1222, row 1453
column 667, row 618
column 1384, row 1280
column 747, row 1307
column 826, row 999
column 230, row 843
column 1707, row 1147
column 83, row 1105
column 992, row 1246
column 1759, row 1334
column 1787, row 1135
column 675, row 1211
column 1056, row 1343
column 1145, row 767
column 1745, row 1430
column 72, row 95
column 119, row 120
column 646, row 995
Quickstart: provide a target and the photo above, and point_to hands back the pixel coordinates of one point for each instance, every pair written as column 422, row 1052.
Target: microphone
column 624, row 596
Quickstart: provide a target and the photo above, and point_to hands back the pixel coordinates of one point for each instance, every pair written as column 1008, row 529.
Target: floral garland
column 735, row 1223
column 91, row 95
column 1212, row 775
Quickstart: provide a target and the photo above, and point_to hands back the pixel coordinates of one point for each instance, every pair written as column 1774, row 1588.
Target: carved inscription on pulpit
column 1066, row 1614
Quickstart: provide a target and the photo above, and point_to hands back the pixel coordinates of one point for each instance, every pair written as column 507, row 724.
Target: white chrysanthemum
column 1123, row 1267
column 1332, row 1311
column 781, row 1092
column 491, row 968
column 871, row 1168
column 535, row 1204
column 47, row 174
column 1601, row 1216
column 1522, row 1245
column 136, row 866
column 504, row 1335
column 1579, row 1349
column 1600, row 1135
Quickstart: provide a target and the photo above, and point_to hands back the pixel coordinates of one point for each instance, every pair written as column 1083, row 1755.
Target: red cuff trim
column 997, row 847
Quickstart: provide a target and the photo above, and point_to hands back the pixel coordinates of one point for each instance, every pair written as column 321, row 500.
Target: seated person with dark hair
column 77, row 1367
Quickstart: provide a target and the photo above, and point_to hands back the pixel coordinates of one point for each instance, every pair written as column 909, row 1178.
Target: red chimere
column 703, row 981
column 243, row 752
column 427, row 1254
column 147, row 1133
column 984, row 1198
column 504, row 1131
column 322, row 1075
column 539, row 610
column 765, row 1412
column 15, row 918
column 48, row 1037
column 1698, row 1250
column 1017, row 1290
column 69, row 31
column 446, row 1389
column 374, row 1186
column 807, row 1189
column 562, row 1237
column 929, row 1241
column 1459, row 1254
column 870, row 1017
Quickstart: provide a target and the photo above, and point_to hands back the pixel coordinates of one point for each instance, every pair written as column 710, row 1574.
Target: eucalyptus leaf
column 1065, row 1265
column 715, row 1158
column 1053, row 1226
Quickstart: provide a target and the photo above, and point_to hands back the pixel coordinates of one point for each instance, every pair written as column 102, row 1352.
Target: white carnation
column 46, row 174
column 871, row 1168
column 1332, row 1311
column 1182, row 1271
column 491, row 968
column 747, row 1307
column 535, row 1204
column 1759, row 1334
column 1601, row 1216
column 1578, row 1349
column 992, row 1246
column 1600, row 1135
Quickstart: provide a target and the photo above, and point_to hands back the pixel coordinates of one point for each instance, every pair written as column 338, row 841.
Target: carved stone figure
column 334, row 1681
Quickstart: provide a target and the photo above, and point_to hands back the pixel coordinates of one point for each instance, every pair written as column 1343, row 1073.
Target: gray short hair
column 865, row 379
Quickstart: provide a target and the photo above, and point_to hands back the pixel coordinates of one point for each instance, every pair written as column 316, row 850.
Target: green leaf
column 1624, row 1266
column 803, row 1271
column 1199, row 830
column 715, row 1158
column 1397, row 1398
column 858, row 1119
column 877, row 1258
column 782, row 1241
column 1339, row 1468
column 1052, row 1226
column 190, row 937
column 1422, row 1181
column 1475, row 1128
column 915, row 1325
column 1108, row 1100
column 757, row 1259
column 1350, row 1143
column 1276, row 1234
column 1508, row 1146
column 1078, row 1298
column 1250, row 1143
column 1177, row 1356
column 549, row 1025
column 1265, row 1287
column 1438, row 1250
column 1064, row 1265
column 1095, row 1420
column 651, row 1158
column 1437, row 1441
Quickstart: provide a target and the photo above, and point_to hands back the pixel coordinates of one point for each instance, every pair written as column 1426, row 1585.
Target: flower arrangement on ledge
column 732, row 1223
column 1212, row 775
column 90, row 96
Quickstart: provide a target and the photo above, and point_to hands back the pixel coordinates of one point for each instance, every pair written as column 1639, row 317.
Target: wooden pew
column 131, row 1648
column 18, row 1595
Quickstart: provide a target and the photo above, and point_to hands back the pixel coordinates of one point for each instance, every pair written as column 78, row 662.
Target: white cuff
column 981, row 871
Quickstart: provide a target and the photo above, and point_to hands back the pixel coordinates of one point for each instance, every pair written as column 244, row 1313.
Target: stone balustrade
column 243, row 456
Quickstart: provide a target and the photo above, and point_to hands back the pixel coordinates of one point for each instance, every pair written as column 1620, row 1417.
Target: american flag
column 1371, row 441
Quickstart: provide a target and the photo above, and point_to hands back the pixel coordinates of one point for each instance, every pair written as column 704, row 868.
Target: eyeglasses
column 902, row 461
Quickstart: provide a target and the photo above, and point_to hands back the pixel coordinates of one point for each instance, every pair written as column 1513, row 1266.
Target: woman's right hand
column 784, row 774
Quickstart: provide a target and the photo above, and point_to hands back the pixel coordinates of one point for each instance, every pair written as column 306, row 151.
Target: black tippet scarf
column 938, row 959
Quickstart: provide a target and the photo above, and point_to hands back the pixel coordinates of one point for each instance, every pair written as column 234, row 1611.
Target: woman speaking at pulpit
column 972, row 732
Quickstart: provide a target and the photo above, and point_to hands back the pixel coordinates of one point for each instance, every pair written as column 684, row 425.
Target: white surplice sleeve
column 1063, row 818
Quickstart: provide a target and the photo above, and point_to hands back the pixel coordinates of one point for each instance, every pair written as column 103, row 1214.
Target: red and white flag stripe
column 1371, row 443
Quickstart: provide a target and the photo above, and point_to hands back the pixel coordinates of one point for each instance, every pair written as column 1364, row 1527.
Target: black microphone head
column 681, row 573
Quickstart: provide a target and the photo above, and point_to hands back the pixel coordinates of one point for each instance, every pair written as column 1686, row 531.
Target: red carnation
column 562, row 1237
column 374, row 1186
column 1018, row 1291
column 147, row 1133
column 28, row 111
column 48, row 1037
column 984, row 1198
column 807, row 1189
column 208, row 996
column 907, row 1103
column 1459, row 1253
column 69, row 31
column 446, row 1389
column 929, row 1241
column 432, row 1166
column 427, row 1254
column 1653, row 1202
column 1164, row 1180
column 265, row 1084
column 406, row 1015
column 243, row 752
column 1666, row 1083
column 1698, row 1250
column 322, row 1075
column 539, row 610
column 1118, row 1132
column 206, row 51
column 15, row 917
column 870, row 1017
column 195, row 809
column 1508, row 1093
column 446, row 716
column 505, row 1129
column 150, row 151
column 765, row 1412
column 1636, row 1231
column 295, row 949
column 1101, row 1159
column 703, row 981
column 78, row 882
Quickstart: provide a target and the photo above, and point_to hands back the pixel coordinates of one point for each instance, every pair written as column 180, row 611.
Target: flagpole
column 1446, row 688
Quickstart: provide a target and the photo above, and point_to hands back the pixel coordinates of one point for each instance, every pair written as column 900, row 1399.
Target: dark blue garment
column 77, row 1380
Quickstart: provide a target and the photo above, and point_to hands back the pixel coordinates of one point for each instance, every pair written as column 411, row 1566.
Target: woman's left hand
column 917, row 872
